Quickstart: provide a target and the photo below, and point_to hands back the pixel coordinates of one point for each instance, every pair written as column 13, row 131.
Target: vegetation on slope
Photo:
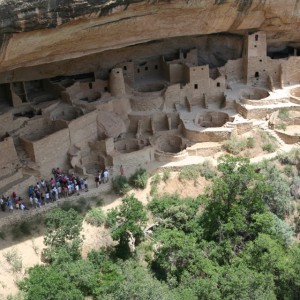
column 233, row 242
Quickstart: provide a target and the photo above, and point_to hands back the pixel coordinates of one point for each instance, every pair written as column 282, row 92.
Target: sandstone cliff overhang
column 39, row 32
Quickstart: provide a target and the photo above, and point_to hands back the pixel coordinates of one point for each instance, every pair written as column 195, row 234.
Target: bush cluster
column 139, row 179
column 192, row 172
column 235, row 145
column 121, row 185
column 232, row 242
column 95, row 216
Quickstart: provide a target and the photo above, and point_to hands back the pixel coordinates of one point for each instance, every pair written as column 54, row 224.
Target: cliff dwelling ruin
column 162, row 107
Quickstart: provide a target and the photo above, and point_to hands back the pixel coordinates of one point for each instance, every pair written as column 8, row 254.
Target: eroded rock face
column 39, row 32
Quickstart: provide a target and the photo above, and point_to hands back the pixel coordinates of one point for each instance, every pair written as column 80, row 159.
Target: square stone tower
column 254, row 57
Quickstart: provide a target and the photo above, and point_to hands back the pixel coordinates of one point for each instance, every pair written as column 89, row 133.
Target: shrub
column 139, row 179
column 22, row 229
column 288, row 171
column 121, row 185
column 235, row 145
column 166, row 175
column 282, row 126
column 156, row 179
column 154, row 184
column 67, row 205
column 99, row 201
column 269, row 147
column 80, row 206
column 96, row 217
column 191, row 172
column 290, row 158
column 295, row 187
column 283, row 113
column 278, row 197
column 207, row 170
column 14, row 259
column 263, row 135
column 250, row 143
column 297, row 221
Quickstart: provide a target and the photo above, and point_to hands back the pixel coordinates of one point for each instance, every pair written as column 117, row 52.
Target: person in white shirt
column 105, row 175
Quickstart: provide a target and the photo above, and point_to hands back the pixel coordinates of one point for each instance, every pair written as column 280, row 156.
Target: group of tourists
column 8, row 203
column 46, row 191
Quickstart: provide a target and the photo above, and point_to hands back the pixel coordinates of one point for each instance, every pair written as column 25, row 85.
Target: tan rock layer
column 146, row 21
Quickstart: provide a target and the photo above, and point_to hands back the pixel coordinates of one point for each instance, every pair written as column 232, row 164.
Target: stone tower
column 254, row 58
column 116, row 82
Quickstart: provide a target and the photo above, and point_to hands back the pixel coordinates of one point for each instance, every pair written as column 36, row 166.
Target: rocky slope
column 37, row 32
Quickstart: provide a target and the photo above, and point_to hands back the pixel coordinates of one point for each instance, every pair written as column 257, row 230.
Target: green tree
column 127, row 222
column 235, row 196
column 240, row 282
column 279, row 197
column 267, row 255
column 138, row 283
column 83, row 274
column 109, row 272
column 176, row 212
column 276, row 228
column 62, row 236
column 46, row 282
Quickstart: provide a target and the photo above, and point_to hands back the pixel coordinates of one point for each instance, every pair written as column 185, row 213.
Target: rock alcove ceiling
column 47, row 38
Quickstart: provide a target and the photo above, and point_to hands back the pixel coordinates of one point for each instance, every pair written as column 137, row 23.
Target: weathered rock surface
column 37, row 32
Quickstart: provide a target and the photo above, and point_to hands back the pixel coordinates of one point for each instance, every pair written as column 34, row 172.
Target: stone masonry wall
column 52, row 151
column 83, row 130
column 288, row 139
column 8, row 152
column 207, row 136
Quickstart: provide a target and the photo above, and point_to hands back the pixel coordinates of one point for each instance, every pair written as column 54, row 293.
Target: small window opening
column 118, row 72
column 90, row 85
column 260, row 60
column 256, row 75
column 218, row 84
column 156, row 67
column 125, row 68
column 105, row 89
column 256, row 37
column 255, row 46
column 146, row 68
column 138, row 70
column 196, row 86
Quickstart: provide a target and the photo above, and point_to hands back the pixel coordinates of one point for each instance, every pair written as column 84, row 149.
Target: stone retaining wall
column 168, row 157
column 288, row 139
